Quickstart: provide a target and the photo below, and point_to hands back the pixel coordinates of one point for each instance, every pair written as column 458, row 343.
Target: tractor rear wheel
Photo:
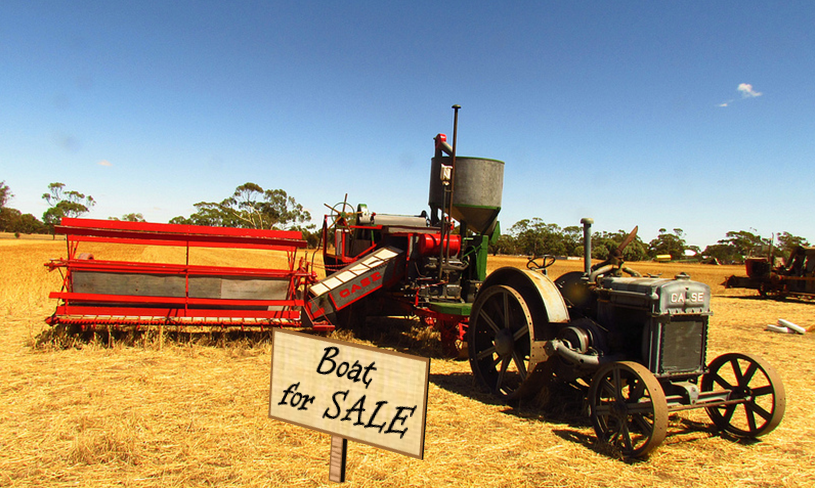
column 499, row 342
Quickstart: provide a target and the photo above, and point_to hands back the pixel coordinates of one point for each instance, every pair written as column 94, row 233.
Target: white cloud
column 747, row 91
column 104, row 162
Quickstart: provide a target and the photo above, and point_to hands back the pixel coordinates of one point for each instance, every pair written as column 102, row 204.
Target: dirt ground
column 193, row 412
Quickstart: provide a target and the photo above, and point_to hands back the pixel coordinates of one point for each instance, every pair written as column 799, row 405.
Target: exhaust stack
column 586, row 221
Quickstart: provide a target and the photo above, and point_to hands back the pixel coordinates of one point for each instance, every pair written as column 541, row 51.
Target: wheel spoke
column 763, row 390
column 608, row 388
column 505, row 310
column 636, row 391
column 602, row 410
column 758, row 409
column 748, row 375
column 645, row 427
column 486, row 352
column 618, row 387
column 722, row 382
column 734, row 363
column 728, row 413
column 626, row 434
column 499, row 382
column 751, row 416
column 488, row 320
column 519, row 363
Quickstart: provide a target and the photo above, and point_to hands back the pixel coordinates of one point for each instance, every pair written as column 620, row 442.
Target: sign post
column 362, row 393
column 339, row 453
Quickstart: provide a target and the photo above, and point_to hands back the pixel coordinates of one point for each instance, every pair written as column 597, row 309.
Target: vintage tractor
column 637, row 343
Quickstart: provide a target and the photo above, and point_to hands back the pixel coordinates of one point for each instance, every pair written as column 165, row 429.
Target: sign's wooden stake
column 339, row 453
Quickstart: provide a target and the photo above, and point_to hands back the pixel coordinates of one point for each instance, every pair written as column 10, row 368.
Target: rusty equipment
column 638, row 344
column 108, row 293
column 795, row 278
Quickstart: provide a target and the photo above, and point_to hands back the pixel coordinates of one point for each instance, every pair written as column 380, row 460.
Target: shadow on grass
column 406, row 335
column 68, row 336
column 562, row 407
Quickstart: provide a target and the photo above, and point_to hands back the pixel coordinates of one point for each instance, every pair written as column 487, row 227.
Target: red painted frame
column 88, row 309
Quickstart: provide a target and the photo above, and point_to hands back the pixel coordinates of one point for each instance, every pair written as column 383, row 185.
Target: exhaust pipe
column 586, row 221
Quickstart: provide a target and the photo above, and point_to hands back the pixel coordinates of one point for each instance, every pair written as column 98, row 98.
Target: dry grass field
column 193, row 411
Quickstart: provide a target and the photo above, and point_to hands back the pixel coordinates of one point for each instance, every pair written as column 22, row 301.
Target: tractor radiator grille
column 682, row 346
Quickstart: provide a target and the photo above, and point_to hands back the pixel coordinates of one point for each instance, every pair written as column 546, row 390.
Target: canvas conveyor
column 352, row 283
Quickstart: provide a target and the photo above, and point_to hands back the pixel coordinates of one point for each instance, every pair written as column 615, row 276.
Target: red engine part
column 429, row 244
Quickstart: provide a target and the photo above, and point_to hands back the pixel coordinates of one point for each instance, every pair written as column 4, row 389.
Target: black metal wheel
column 755, row 390
column 499, row 343
column 628, row 408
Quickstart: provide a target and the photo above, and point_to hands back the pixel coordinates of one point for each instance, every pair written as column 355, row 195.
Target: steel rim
column 754, row 385
column 628, row 408
column 499, row 342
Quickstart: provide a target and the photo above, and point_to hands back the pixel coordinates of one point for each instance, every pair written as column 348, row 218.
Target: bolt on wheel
column 628, row 408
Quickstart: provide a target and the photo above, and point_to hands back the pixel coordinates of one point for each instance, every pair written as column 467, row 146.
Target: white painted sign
column 362, row 393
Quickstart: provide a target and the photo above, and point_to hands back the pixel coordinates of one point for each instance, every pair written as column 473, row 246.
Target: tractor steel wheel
column 758, row 396
column 628, row 408
column 499, row 343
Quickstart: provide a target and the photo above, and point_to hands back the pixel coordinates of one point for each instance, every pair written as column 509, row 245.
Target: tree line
column 253, row 207
column 534, row 237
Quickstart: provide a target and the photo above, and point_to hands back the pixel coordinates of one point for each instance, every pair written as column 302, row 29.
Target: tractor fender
column 546, row 306
column 542, row 296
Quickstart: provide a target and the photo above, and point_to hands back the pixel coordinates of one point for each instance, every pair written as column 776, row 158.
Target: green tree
column 737, row 245
column 504, row 245
column 787, row 242
column 5, row 194
column 572, row 237
column 537, row 238
column 723, row 253
column 672, row 243
column 746, row 243
column 131, row 217
column 64, row 203
column 251, row 207
column 602, row 243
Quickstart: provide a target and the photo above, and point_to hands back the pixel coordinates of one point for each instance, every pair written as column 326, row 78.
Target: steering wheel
column 547, row 260
column 340, row 212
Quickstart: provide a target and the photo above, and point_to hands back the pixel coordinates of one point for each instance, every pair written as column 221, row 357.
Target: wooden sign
column 369, row 395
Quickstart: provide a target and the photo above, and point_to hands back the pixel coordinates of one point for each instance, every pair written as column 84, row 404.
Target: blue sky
column 691, row 115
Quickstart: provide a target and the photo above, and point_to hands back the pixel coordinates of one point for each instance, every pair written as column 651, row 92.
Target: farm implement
column 129, row 293
column 794, row 278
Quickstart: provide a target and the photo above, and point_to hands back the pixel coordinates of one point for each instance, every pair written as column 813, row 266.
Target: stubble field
column 193, row 411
